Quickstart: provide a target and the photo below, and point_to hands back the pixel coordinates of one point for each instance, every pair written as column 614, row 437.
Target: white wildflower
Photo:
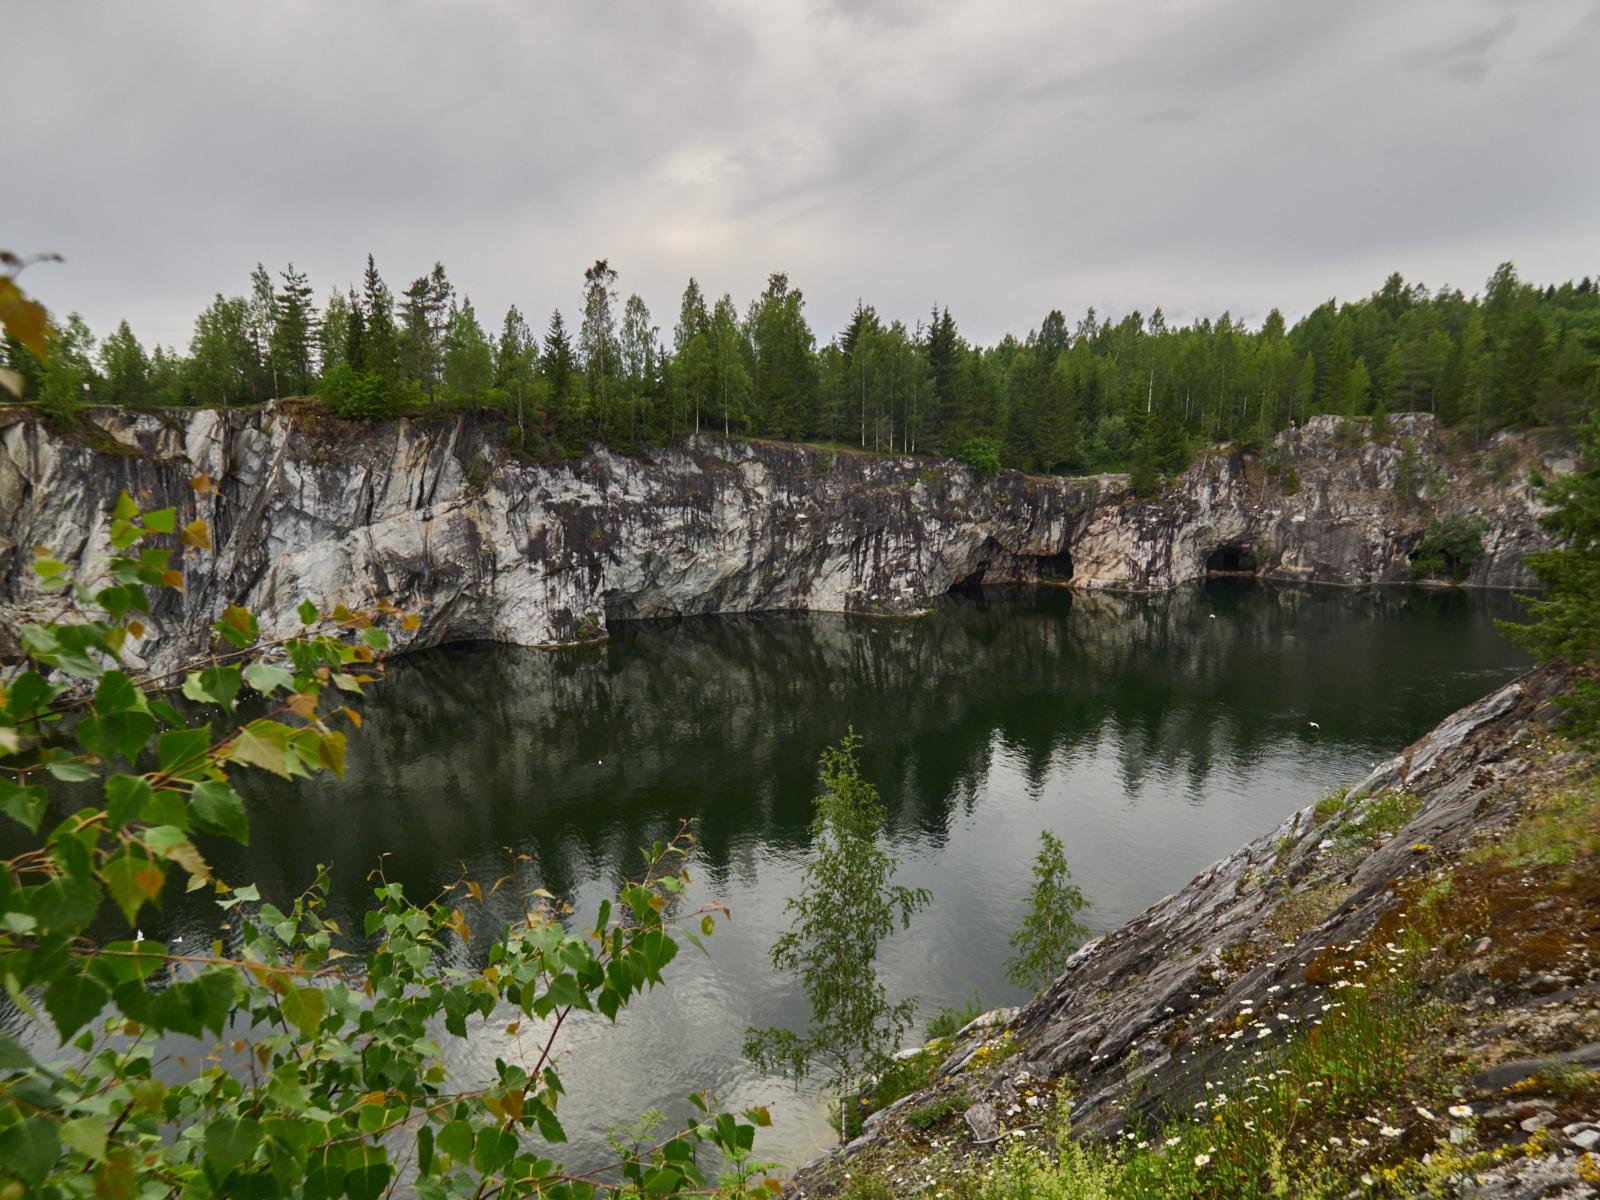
column 1201, row 1160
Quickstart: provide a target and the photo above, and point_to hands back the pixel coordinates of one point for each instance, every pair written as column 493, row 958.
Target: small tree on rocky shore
column 1050, row 931
column 846, row 905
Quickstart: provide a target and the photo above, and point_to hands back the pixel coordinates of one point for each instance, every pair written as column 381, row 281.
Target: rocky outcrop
column 440, row 517
column 1145, row 1020
column 1339, row 518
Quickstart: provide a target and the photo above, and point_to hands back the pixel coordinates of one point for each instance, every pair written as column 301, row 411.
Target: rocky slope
column 1488, row 827
column 440, row 517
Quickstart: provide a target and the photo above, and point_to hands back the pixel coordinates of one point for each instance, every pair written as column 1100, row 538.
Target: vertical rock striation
column 440, row 517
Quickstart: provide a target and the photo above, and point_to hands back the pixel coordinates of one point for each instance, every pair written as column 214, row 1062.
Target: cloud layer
column 1004, row 159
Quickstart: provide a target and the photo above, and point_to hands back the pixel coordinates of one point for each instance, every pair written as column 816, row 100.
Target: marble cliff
column 442, row 518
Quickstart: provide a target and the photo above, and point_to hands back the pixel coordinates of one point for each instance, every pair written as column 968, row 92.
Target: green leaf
column 308, row 612
column 124, row 731
column 367, row 1172
column 217, row 808
column 238, row 626
column 265, row 744
column 304, row 1008
column 168, row 808
column 12, row 1056
column 135, row 1001
column 133, row 881
column 375, row 637
column 455, row 1138
column 126, row 509
column 27, row 693
column 285, row 1087
column 72, row 1002
column 61, row 904
column 193, row 1006
column 167, row 713
column 117, row 693
column 72, row 772
column 229, row 1142
column 126, row 962
column 268, row 677
column 86, row 1135
column 163, row 520
column 218, row 685
column 126, row 798
column 549, row 1128
column 25, row 805
column 496, row 1147
column 183, row 751
column 29, row 1149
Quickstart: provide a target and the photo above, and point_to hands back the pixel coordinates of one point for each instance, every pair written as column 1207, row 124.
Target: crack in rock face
column 440, row 517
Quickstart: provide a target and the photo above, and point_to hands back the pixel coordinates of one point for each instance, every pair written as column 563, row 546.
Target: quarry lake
column 1153, row 734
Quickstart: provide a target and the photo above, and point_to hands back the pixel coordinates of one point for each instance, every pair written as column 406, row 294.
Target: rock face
column 1199, row 986
column 441, row 518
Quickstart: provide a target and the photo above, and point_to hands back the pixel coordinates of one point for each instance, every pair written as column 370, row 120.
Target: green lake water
column 1153, row 734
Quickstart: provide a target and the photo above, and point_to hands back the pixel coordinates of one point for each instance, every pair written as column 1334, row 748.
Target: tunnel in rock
column 1231, row 559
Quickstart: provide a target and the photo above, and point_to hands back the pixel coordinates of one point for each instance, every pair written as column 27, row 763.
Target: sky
column 1001, row 159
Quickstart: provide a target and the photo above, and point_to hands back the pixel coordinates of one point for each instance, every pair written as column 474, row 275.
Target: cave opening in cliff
column 1231, row 560
column 1055, row 566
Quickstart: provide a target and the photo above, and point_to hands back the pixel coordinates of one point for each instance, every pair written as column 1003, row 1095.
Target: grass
column 946, row 1022
column 1382, row 819
column 931, row 1114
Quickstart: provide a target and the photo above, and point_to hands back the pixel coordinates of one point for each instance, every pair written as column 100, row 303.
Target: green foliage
column 1566, row 617
column 1143, row 478
column 349, row 392
column 1450, row 546
column 1382, row 819
column 1050, row 930
column 982, row 454
column 1064, row 397
column 336, row 1082
column 847, row 904
column 1405, row 474
column 1291, row 480
column 931, row 1114
column 946, row 1022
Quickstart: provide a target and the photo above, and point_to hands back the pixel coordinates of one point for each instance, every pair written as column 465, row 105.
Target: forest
column 1067, row 398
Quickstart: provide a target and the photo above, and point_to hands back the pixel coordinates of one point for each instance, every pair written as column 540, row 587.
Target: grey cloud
column 1003, row 159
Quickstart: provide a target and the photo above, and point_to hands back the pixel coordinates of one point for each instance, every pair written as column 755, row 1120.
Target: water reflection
column 1154, row 734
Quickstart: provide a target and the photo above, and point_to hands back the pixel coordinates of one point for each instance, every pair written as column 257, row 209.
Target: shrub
column 946, row 1022
column 1291, row 480
column 982, row 454
column 1449, row 547
column 350, row 393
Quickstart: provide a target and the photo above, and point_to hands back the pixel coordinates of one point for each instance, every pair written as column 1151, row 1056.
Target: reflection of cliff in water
column 576, row 757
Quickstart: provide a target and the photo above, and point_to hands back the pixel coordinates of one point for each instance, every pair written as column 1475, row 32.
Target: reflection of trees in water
column 577, row 757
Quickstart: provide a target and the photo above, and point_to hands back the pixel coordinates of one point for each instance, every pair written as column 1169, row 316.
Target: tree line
column 1093, row 395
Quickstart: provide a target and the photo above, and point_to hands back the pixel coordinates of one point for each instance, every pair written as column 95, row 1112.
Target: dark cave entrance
column 1231, row 560
column 1055, row 566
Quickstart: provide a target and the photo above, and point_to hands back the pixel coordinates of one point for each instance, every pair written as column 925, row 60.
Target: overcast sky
column 1000, row 158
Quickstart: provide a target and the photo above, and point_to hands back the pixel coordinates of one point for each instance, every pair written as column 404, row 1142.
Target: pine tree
column 125, row 368
column 294, row 333
column 426, row 313
column 597, row 342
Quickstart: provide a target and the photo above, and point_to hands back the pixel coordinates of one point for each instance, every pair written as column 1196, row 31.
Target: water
column 1154, row 735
